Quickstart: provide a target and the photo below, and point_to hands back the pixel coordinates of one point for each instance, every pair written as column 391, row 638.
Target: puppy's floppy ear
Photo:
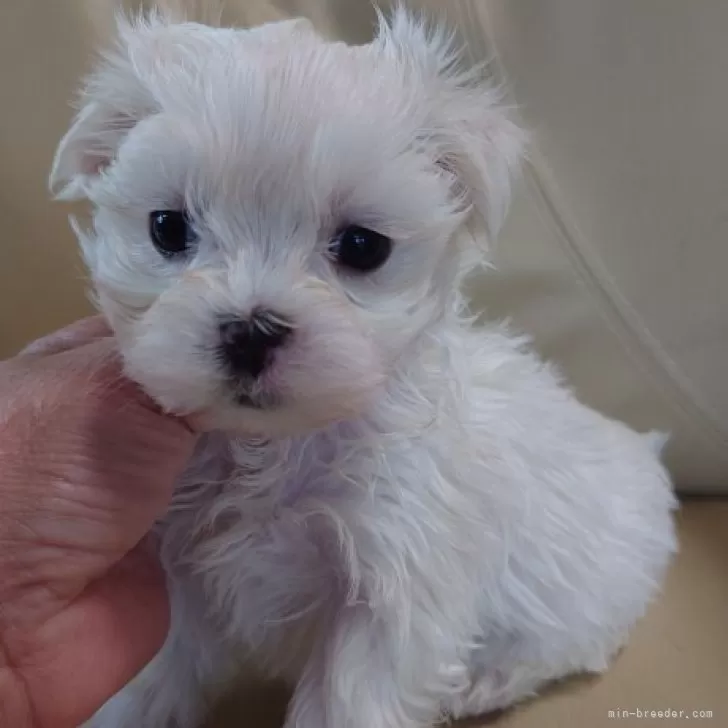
column 466, row 120
column 115, row 97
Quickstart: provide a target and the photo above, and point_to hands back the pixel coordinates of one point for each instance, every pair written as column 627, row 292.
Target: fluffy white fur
column 430, row 524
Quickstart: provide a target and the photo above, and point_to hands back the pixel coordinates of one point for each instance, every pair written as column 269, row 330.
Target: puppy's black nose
column 247, row 345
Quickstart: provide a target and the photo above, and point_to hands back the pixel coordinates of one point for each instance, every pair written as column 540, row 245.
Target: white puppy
column 409, row 517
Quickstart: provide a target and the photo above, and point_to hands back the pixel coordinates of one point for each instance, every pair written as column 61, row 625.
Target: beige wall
column 42, row 49
column 616, row 251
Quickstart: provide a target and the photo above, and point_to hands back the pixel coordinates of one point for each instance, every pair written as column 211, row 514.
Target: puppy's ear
column 466, row 120
column 115, row 97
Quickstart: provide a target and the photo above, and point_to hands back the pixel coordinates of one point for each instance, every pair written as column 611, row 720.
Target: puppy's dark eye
column 171, row 232
column 361, row 249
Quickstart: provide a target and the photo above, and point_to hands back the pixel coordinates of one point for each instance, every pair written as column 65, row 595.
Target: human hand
column 87, row 464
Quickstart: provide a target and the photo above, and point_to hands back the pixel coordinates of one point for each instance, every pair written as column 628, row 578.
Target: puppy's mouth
column 243, row 399
column 255, row 400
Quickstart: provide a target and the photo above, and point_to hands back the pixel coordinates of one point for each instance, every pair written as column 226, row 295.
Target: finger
column 97, row 368
column 200, row 422
column 70, row 337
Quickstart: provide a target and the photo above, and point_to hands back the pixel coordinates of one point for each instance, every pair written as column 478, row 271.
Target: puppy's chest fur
column 275, row 534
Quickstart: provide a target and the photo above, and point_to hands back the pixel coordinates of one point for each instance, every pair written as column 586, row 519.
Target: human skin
column 87, row 464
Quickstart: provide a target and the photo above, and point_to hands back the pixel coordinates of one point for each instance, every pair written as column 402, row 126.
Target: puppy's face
column 277, row 218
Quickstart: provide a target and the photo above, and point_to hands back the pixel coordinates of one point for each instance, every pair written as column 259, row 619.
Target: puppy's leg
column 374, row 671
column 175, row 689
column 502, row 685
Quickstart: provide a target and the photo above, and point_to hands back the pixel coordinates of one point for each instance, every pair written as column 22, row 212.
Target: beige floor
column 677, row 659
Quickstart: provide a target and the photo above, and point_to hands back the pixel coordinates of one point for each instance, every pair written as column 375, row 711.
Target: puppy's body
column 420, row 520
column 449, row 557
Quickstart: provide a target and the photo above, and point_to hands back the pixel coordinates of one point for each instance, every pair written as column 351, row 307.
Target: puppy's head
column 277, row 218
